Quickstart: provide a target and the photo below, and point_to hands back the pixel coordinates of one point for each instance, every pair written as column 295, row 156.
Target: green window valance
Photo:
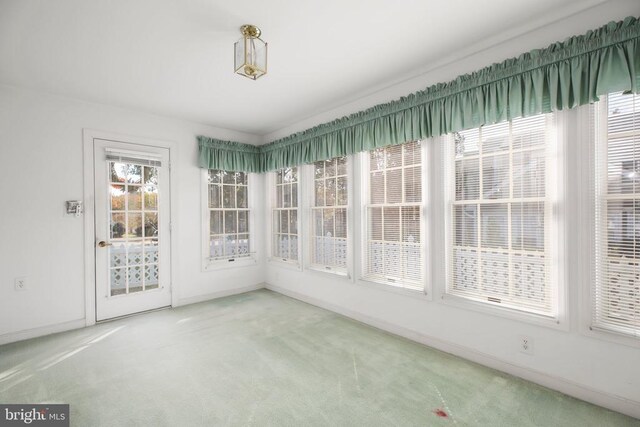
column 228, row 155
column 564, row 75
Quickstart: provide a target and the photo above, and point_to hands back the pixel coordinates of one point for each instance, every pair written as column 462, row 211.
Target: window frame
column 593, row 118
column 425, row 236
column 209, row 264
column 271, row 206
column 308, row 227
column 558, row 167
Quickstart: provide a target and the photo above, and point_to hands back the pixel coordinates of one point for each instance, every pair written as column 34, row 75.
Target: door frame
column 88, row 137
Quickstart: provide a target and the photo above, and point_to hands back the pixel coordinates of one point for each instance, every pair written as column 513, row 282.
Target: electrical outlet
column 526, row 344
column 20, row 283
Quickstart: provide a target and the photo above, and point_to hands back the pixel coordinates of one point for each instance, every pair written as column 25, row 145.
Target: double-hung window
column 499, row 180
column 285, row 216
column 394, row 239
column 228, row 219
column 616, row 294
column 329, row 215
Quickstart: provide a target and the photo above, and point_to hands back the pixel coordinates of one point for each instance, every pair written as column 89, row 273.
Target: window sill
column 322, row 269
column 507, row 312
column 284, row 263
column 223, row 264
column 611, row 336
column 390, row 287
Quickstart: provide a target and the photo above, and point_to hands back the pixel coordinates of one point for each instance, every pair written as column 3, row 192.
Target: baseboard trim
column 579, row 391
column 81, row 323
column 219, row 294
column 41, row 331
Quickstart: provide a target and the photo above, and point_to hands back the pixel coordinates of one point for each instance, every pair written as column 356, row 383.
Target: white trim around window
column 555, row 315
column 324, row 194
column 284, row 199
column 581, row 203
column 613, row 312
column 400, row 202
column 210, row 263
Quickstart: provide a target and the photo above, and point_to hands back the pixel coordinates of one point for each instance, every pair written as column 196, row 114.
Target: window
column 285, row 215
column 393, row 247
column 329, row 215
column 133, row 211
column 499, row 231
column 228, row 207
column 616, row 295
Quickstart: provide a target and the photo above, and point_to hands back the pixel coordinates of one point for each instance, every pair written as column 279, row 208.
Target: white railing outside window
column 500, row 214
column 616, row 294
column 228, row 207
column 284, row 215
column 393, row 251
column 329, row 215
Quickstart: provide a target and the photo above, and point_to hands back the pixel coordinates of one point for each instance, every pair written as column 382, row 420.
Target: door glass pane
column 134, row 231
column 150, row 197
column 150, row 224
column 117, row 226
column 134, row 225
column 116, row 192
column 118, row 281
column 117, row 172
column 134, row 253
column 134, row 278
column 151, row 276
column 151, row 251
column 150, row 175
column 134, row 197
column 134, row 174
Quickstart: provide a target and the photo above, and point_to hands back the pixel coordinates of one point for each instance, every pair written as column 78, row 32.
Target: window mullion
column 509, row 218
column 510, row 248
column 479, row 209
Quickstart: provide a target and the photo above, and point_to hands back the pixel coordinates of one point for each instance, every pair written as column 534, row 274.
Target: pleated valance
column 228, row 155
column 564, row 75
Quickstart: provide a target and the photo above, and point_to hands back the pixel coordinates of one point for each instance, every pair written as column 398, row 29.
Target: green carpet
column 262, row 359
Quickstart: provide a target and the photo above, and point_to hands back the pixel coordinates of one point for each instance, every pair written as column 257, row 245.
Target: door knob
column 103, row 244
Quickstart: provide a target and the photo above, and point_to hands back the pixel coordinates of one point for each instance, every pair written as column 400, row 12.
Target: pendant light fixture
column 250, row 53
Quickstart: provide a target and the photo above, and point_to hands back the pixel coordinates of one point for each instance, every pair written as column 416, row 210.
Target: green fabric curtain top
column 564, row 75
column 228, row 155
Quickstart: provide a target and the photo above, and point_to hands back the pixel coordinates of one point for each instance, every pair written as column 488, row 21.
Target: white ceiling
column 175, row 57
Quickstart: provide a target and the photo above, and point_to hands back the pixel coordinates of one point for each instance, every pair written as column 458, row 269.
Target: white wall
column 568, row 357
column 598, row 367
column 41, row 159
column 41, row 163
column 476, row 56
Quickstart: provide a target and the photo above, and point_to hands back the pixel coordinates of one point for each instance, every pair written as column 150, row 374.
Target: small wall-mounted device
column 74, row 207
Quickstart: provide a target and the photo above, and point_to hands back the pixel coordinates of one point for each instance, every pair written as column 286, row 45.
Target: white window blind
column 616, row 294
column 137, row 157
column 500, row 214
column 228, row 215
column 329, row 215
column 394, row 248
column 285, row 215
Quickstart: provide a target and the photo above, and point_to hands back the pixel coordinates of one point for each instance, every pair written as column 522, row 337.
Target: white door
column 132, row 228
